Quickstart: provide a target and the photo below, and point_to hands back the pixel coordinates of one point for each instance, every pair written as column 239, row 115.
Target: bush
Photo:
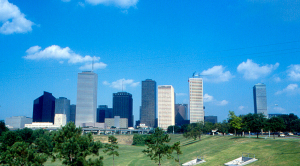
column 139, row 140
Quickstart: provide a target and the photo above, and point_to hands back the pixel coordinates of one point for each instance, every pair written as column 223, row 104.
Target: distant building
column 17, row 122
column 60, row 120
column 166, row 106
column 122, row 106
column 62, row 106
column 44, row 108
column 72, row 113
column 148, row 108
column 86, row 105
column 103, row 112
column 196, row 100
column 180, row 114
column 117, row 122
column 260, row 99
column 275, row 115
column 212, row 119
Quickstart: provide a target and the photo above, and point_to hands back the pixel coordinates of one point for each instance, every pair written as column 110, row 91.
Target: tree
column 208, row 127
column 222, row 127
column 157, row 147
column 3, row 128
column 254, row 122
column 235, row 121
column 176, row 129
column 26, row 135
column 139, row 139
column 288, row 121
column 111, row 148
column 194, row 130
column 8, row 139
column 295, row 125
column 275, row 124
column 73, row 147
column 176, row 147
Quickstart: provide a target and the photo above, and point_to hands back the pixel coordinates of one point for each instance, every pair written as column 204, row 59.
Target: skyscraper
column 62, row 106
column 180, row 114
column 122, row 106
column 86, row 105
column 166, row 106
column 260, row 99
column 44, row 108
column 103, row 112
column 72, row 113
column 148, row 108
column 196, row 100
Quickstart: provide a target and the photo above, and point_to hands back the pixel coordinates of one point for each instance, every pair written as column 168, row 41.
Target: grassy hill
column 216, row 150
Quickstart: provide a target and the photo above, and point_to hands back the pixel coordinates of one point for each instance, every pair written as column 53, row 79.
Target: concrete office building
column 103, row 112
column 44, row 108
column 17, row 122
column 166, row 106
column 260, row 99
column 148, row 108
column 181, row 111
column 86, row 105
column 121, row 123
column 62, row 106
column 196, row 100
column 72, row 113
column 122, row 106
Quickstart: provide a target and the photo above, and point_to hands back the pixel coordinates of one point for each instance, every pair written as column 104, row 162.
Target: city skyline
column 233, row 44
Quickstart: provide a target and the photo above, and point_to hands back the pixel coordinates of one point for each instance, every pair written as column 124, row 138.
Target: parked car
column 290, row 134
column 281, row 135
column 229, row 134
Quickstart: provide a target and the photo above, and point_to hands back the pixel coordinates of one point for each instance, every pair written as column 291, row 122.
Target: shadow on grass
column 190, row 142
column 288, row 153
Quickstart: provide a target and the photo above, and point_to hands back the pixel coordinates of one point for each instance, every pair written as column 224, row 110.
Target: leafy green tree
column 22, row 153
column 73, row 147
column 176, row 148
column 26, row 135
column 235, row 121
column 8, row 139
column 275, row 124
column 157, row 147
column 288, row 121
column 295, row 125
column 222, row 127
column 176, row 129
column 194, row 130
column 208, row 127
column 3, row 128
column 111, row 147
column 139, row 139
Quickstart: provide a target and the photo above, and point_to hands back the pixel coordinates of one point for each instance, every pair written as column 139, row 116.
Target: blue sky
column 45, row 44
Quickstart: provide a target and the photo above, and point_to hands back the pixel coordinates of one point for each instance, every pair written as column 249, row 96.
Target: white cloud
column 241, row 108
column 66, row 0
column 217, row 74
column 222, row 103
column 61, row 54
column 121, row 84
column 254, row 71
column 119, row 3
column 277, row 79
column 207, row 98
column 290, row 89
column 13, row 20
column 294, row 72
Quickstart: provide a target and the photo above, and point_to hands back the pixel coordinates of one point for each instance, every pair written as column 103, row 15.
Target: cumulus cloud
column 13, row 21
column 119, row 3
column 277, row 79
column 290, row 89
column 121, row 84
column 207, row 98
column 294, row 72
column 252, row 71
column 241, row 108
column 63, row 54
column 217, row 74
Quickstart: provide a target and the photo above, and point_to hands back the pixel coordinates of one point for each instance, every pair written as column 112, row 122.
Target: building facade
column 196, row 100
column 103, row 112
column 122, row 106
column 148, row 108
column 62, row 106
column 260, row 99
column 44, row 108
column 166, row 106
column 86, row 105
column 17, row 122
column 117, row 122
column 181, row 111
column 212, row 119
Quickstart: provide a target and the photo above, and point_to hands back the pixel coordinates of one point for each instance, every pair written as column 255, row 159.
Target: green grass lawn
column 216, row 150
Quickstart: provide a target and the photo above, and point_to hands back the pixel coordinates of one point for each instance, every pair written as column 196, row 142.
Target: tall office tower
column 86, row 105
column 166, row 106
column 148, row 108
column 260, row 99
column 180, row 114
column 196, row 100
column 44, row 108
column 62, row 106
column 122, row 106
column 103, row 112
column 72, row 113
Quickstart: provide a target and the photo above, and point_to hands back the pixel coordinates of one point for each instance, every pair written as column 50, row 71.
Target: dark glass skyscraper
column 44, row 108
column 122, row 106
column 260, row 99
column 62, row 106
column 103, row 112
column 180, row 114
column 148, row 108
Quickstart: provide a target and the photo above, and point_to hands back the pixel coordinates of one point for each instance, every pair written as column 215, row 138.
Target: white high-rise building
column 196, row 100
column 86, row 105
column 166, row 106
